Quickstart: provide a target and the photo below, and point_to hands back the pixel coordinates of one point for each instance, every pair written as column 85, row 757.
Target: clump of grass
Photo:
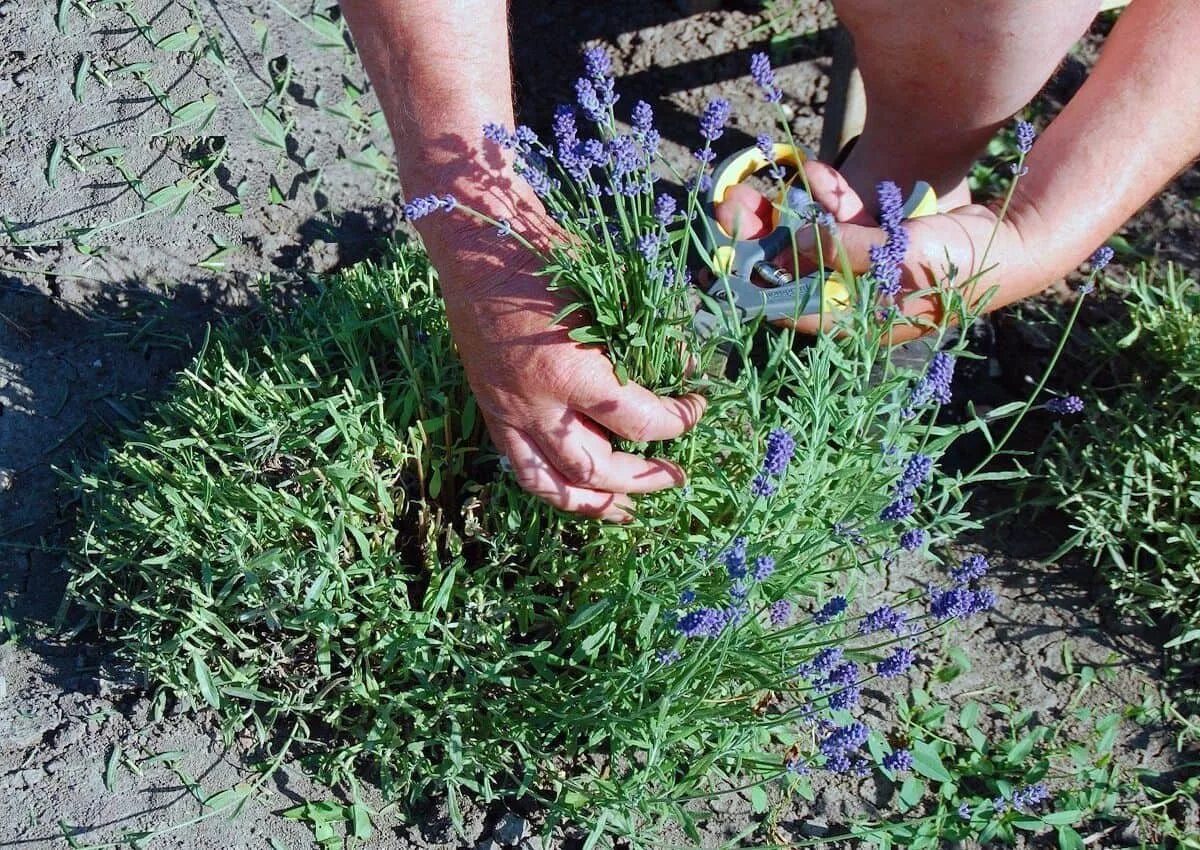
column 1127, row 472
column 304, row 537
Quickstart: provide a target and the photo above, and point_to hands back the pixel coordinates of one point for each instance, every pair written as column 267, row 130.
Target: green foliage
column 975, row 763
column 303, row 537
column 1128, row 474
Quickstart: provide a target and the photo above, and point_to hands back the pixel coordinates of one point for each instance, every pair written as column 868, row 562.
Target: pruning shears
column 746, row 279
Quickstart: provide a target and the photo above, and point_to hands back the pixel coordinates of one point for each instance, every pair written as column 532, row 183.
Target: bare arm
column 441, row 70
column 1133, row 125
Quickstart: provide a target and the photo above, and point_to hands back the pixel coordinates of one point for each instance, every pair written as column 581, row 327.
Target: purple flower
column 596, row 63
column 898, row 510
column 687, row 598
column 762, row 486
column 589, row 100
column 537, row 178
column 1064, row 406
column 959, row 602
column 1025, row 136
column 643, row 117
column 1101, row 258
column 701, row 182
column 765, row 146
column 498, row 134
column 714, row 118
column 779, row 612
column 973, row 567
column 883, row 617
column 841, row 743
column 936, row 384
column 664, row 209
column 1030, row 796
column 780, row 447
column 918, row 468
column 760, row 70
column 844, row 699
column 425, row 204
column 887, row 259
column 703, row 622
column 898, row 761
column 822, row 663
column 913, row 539
column 526, row 138
column 667, row 657
column 648, row 246
column 897, row 663
column 705, row 155
column 829, row 610
column 735, row 559
column 964, row 811
column 891, row 205
column 764, row 565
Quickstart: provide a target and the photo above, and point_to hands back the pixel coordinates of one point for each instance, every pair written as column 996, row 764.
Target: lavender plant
column 356, row 573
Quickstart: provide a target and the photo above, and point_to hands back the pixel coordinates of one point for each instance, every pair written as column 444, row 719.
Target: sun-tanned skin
column 940, row 77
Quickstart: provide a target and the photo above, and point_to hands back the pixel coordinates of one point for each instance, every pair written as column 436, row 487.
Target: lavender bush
column 347, row 570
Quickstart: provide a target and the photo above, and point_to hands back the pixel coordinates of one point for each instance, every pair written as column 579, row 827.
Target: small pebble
column 55, row 765
column 32, row 776
column 511, row 829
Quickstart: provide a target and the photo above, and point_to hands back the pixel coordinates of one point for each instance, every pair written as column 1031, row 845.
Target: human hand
column 552, row 404
column 944, row 249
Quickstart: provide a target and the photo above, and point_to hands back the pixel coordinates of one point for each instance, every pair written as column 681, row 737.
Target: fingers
column 582, row 453
column 744, row 213
column 635, row 413
column 537, row 475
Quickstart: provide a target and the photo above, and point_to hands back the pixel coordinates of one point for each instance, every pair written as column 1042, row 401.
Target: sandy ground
column 86, row 333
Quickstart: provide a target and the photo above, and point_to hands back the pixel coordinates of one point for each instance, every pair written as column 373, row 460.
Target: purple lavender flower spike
column 916, row 471
column 735, row 559
column 1064, row 406
column 714, row 118
column 882, row 618
column 898, row 761
column 760, row 70
column 780, row 447
column 764, row 565
column 829, row 610
column 664, row 209
column 597, row 64
column 899, row 509
column 1025, row 136
column 1101, row 258
column 780, row 611
column 667, row 657
column 643, row 117
column 887, row 259
column 973, row 568
column 703, row 622
column 896, row 664
column 935, row 384
column 913, row 539
column 499, row 134
column 958, row 603
column 648, row 246
column 422, row 206
column 589, row 100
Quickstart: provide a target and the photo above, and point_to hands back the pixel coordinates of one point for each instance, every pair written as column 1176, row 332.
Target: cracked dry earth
column 80, row 334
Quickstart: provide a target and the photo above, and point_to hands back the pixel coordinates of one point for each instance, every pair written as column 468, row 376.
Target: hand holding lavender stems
column 435, row 102
column 549, row 403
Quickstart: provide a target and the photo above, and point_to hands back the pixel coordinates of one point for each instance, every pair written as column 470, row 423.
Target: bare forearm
column 1133, row 125
column 441, row 71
